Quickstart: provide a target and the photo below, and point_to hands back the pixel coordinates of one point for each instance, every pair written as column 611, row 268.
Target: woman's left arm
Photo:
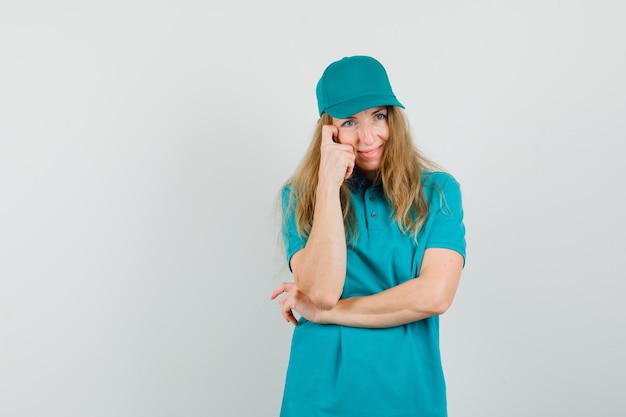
column 429, row 295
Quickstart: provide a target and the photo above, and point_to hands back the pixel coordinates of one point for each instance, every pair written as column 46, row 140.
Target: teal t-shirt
column 340, row 371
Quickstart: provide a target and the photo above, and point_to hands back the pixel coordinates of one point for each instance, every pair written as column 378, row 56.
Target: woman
column 375, row 240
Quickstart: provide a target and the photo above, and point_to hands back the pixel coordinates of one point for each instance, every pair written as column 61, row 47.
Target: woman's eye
column 348, row 123
column 380, row 116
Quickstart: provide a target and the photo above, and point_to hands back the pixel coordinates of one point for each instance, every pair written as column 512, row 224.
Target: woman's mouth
column 371, row 153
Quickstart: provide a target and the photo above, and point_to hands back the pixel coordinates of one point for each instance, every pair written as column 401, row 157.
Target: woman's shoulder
column 286, row 188
column 440, row 188
column 438, row 179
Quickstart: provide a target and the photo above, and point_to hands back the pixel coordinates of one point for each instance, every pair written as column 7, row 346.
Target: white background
column 142, row 144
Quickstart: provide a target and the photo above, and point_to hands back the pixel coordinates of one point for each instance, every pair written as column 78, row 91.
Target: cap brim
column 354, row 106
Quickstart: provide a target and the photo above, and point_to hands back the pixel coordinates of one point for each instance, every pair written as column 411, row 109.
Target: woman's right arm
column 319, row 269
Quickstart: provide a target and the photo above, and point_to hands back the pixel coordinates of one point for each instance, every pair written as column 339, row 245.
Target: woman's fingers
column 289, row 316
column 287, row 302
column 284, row 287
column 287, row 308
column 329, row 134
column 337, row 158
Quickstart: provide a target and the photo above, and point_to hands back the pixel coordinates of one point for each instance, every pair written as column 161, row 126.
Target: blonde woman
column 374, row 237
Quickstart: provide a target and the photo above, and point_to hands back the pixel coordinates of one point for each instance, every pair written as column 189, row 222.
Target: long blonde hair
column 400, row 174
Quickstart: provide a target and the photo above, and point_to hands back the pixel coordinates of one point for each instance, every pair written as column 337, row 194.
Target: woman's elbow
column 324, row 300
column 439, row 309
column 440, row 305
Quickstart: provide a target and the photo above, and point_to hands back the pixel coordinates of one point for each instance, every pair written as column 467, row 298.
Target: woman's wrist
column 329, row 316
column 323, row 316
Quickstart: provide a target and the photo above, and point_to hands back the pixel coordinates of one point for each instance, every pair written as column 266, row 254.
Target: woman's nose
column 366, row 133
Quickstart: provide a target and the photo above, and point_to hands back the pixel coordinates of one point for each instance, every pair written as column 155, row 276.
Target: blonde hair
column 400, row 174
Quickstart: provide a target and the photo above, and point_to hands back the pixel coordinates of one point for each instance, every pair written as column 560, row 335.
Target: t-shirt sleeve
column 292, row 240
column 446, row 227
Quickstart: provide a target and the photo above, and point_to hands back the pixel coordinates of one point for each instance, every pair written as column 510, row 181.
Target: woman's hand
column 337, row 160
column 292, row 301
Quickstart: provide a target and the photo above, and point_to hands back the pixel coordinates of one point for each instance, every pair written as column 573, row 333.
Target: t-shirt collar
column 358, row 182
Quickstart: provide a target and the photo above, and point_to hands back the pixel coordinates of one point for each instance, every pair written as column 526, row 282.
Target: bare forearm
column 399, row 305
column 350, row 312
column 320, row 268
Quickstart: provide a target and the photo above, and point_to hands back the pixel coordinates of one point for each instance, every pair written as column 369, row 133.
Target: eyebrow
column 378, row 109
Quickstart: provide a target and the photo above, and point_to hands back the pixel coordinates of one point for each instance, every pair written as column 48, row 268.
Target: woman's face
column 367, row 132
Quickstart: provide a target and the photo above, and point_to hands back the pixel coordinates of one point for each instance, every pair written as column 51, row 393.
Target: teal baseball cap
column 353, row 84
